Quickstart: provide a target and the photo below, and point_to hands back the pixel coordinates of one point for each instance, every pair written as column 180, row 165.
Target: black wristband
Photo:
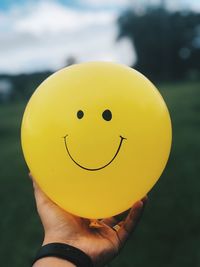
column 66, row 252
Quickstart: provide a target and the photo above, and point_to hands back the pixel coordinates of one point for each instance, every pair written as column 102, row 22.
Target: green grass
column 169, row 233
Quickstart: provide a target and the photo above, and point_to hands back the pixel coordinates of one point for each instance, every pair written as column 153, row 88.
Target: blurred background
column 160, row 38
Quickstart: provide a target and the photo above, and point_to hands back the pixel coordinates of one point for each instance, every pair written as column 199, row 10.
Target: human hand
column 100, row 239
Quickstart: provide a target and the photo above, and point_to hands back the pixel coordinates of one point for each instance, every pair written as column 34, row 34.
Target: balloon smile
column 94, row 169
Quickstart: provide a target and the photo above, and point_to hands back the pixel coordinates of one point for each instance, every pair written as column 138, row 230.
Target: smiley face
column 107, row 116
column 96, row 136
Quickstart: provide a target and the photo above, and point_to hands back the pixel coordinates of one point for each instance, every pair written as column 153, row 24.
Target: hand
column 97, row 238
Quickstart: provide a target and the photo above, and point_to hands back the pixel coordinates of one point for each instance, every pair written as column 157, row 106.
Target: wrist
column 52, row 262
column 55, row 239
column 58, row 238
column 52, row 238
column 62, row 255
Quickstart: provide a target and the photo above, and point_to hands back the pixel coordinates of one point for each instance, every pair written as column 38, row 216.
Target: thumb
column 40, row 196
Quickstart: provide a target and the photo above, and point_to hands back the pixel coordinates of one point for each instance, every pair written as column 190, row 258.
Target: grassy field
column 169, row 233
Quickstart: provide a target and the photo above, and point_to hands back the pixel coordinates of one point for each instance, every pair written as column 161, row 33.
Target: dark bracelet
column 65, row 252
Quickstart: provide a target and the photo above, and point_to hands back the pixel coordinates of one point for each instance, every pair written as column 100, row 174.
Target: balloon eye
column 107, row 115
column 80, row 114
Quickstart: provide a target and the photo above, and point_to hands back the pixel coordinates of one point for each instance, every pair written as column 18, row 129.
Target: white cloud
column 53, row 17
column 42, row 35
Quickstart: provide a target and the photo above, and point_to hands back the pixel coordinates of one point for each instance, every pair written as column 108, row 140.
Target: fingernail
column 136, row 208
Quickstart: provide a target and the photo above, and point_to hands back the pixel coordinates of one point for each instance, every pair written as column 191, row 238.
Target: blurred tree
column 167, row 43
column 25, row 84
column 71, row 60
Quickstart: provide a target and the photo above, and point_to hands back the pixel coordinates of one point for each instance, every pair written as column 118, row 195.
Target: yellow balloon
column 96, row 137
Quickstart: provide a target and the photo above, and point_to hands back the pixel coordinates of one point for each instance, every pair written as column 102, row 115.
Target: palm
column 100, row 242
column 98, row 239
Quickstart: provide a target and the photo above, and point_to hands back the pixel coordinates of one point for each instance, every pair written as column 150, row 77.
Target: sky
column 41, row 34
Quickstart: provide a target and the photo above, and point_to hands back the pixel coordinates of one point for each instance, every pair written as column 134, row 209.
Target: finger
column 35, row 186
column 111, row 221
column 144, row 200
column 131, row 221
column 133, row 217
column 30, row 175
column 37, row 190
column 40, row 196
column 119, row 219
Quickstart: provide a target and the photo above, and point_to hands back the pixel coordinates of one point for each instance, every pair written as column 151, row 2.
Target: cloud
column 54, row 17
column 44, row 34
